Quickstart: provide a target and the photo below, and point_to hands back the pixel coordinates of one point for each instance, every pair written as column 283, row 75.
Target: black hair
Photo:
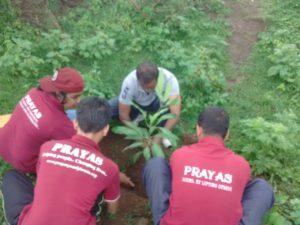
column 93, row 114
column 214, row 121
column 61, row 96
column 146, row 73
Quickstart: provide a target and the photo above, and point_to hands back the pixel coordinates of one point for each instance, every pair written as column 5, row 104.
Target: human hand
column 124, row 179
column 157, row 140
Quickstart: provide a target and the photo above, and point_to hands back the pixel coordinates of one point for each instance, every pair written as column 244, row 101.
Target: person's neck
column 96, row 137
column 210, row 135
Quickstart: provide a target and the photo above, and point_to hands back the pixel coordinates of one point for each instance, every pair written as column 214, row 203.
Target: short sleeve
column 175, row 87
column 127, row 90
column 112, row 192
column 171, row 79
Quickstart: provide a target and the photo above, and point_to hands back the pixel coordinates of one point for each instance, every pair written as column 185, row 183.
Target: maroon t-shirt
column 37, row 118
column 208, row 181
column 70, row 176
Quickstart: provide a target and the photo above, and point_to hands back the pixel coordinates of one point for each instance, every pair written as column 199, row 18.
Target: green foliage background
column 265, row 108
column 106, row 39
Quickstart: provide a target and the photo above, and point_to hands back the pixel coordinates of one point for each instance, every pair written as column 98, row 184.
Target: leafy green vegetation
column 281, row 43
column 111, row 38
column 265, row 106
column 107, row 39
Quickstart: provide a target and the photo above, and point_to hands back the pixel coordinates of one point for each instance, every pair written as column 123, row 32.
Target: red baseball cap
column 65, row 79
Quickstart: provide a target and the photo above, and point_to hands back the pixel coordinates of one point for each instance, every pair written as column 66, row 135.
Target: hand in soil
column 126, row 180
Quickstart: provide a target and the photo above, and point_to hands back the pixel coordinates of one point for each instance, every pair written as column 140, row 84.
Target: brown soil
column 37, row 12
column 113, row 146
column 133, row 202
column 246, row 23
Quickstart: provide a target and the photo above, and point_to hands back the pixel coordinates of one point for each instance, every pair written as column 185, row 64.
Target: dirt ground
column 133, row 202
column 246, row 23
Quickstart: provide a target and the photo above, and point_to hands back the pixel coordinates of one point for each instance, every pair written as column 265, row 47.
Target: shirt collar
column 212, row 146
column 218, row 141
column 85, row 141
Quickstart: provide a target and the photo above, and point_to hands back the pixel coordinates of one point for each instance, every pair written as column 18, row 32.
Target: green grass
column 260, row 95
column 11, row 91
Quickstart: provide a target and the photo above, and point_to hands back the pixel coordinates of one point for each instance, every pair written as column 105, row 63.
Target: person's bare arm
column 175, row 109
column 124, row 112
column 124, row 179
column 112, row 207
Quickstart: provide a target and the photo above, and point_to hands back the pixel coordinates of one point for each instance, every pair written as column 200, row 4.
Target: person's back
column 208, row 182
column 37, row 118
column 71, row 174
column 40, row 117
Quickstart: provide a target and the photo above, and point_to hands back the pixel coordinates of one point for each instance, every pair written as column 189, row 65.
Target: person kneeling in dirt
column 71, row 174
column 206, row 183
column 139, row 87
column 39, row 117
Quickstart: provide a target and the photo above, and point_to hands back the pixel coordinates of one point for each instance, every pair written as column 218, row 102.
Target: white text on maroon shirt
column 70, row 157
column 207, row 178
column 81, row 153
column 31, row 111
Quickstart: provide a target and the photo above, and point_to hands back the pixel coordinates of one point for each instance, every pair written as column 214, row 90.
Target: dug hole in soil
column 133, row 203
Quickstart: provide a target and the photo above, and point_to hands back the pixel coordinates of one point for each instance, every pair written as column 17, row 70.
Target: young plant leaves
column 157, row 151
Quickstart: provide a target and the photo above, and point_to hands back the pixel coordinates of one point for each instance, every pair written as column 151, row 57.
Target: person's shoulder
column 58, row 118
column 62, row 118
column 131, row 77
column 32, row 93
column 59, row 121
column 239, row 159
column 32, row 90
column 167, row 72
column 130, row 81
column 58, row 141
column 179, row 152
column 49, row 144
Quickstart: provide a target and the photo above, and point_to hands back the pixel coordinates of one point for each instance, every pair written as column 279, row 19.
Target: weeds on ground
column 112, row 37
column 265, row 110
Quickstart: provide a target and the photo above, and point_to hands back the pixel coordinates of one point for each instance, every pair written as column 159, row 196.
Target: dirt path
column 246, row 23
